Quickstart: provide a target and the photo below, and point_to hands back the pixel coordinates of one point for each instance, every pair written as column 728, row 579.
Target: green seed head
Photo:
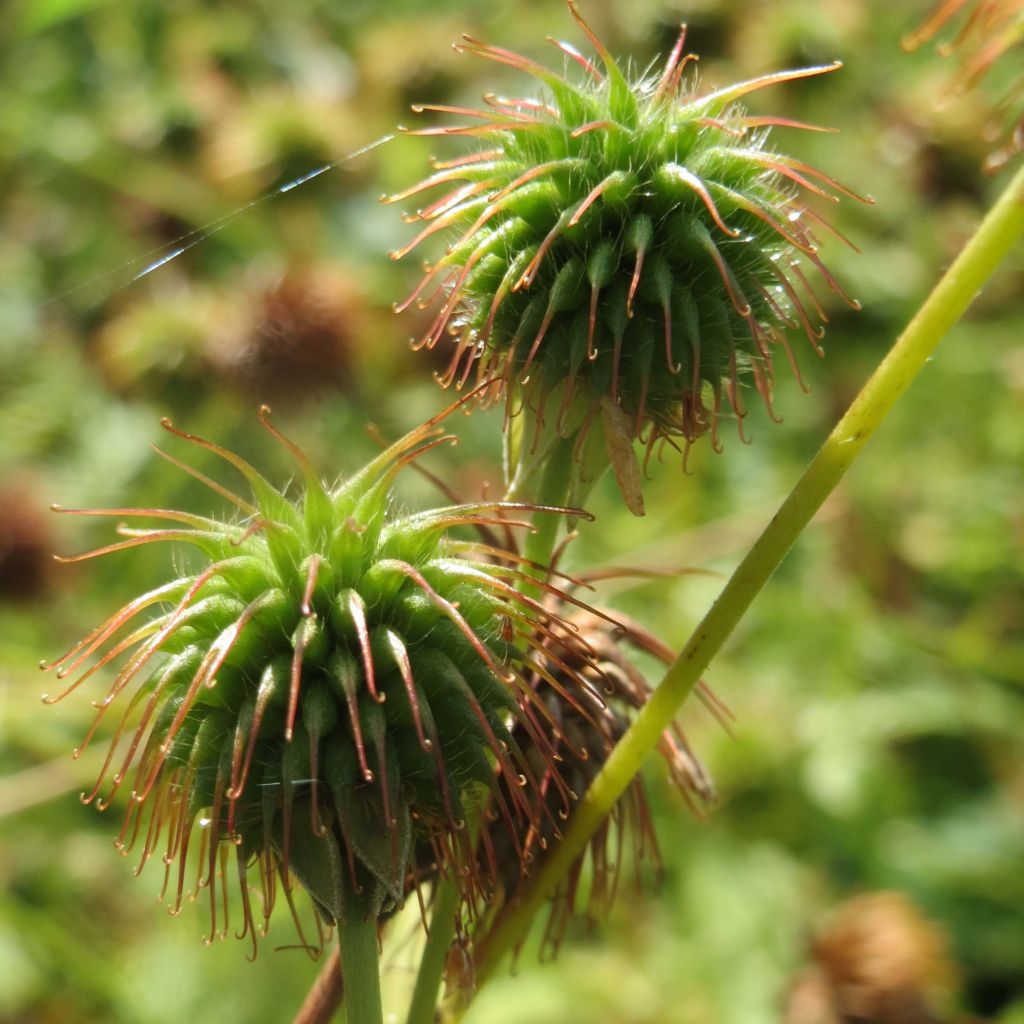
column 319, row 697
column 618, row 239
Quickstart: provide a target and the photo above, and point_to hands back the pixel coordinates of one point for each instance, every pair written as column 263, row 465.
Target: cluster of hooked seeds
column 626, row 239
column 321, row 696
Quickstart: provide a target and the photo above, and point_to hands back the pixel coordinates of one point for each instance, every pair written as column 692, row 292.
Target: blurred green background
column 878, row 683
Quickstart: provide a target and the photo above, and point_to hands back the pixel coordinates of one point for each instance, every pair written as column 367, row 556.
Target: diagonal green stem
column 996, row 235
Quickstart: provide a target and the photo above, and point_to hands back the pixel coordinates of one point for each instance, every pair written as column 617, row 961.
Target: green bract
column 631, row 243
column 319, row 696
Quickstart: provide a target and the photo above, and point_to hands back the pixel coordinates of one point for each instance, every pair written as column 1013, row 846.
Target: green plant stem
column 1000, row 229
column 357, row 941
column 435, row 953
column 553, row 491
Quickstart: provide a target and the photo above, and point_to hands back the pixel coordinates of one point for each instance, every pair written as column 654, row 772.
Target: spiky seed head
column 993, row 29
column 631, row 242
column 318, row 697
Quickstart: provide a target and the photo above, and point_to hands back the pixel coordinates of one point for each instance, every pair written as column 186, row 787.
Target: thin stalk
column 357, row 942
column 435, row 953
column 553, row 491
column 998, row 232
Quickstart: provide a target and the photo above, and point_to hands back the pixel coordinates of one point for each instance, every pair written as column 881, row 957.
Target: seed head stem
column 553, row 491
column 357, row 942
